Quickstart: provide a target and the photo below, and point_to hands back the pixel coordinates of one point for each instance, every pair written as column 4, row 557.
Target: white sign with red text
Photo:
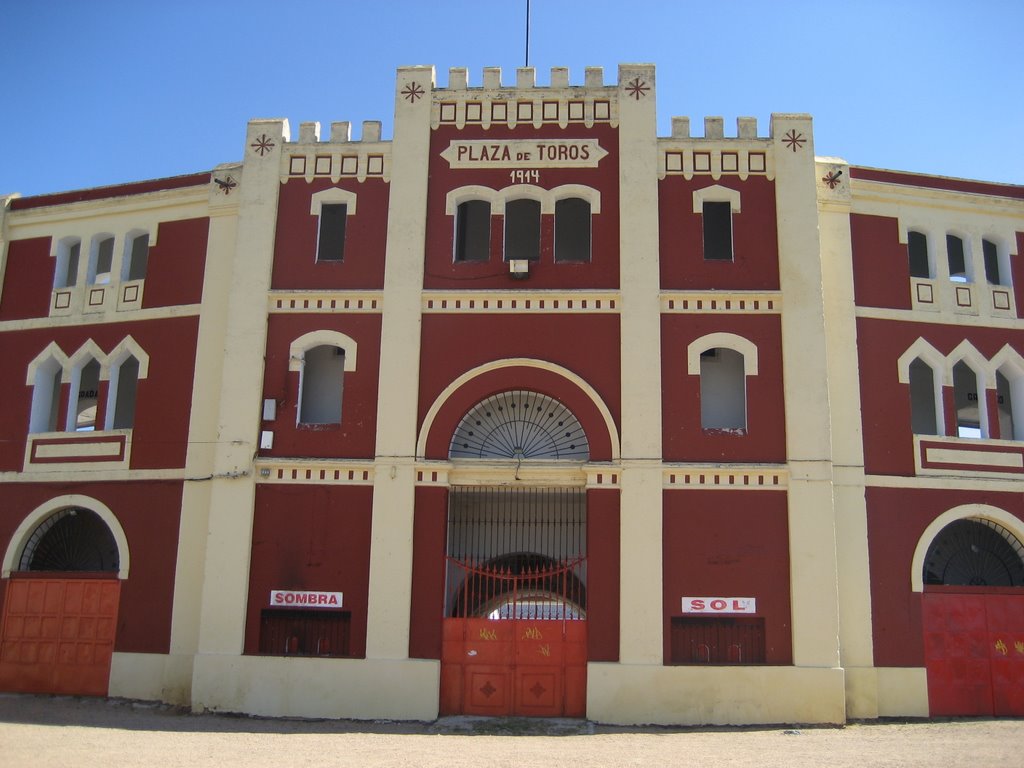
column 289, row 598
column 719, row 605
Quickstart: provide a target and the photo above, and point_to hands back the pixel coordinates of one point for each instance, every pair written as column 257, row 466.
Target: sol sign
column 288, row 598
column 719, row 605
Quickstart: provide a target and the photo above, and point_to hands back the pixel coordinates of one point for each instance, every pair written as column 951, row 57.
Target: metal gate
column 515, row 630
column 519, row 644
column 974, row 653
column 57, row 635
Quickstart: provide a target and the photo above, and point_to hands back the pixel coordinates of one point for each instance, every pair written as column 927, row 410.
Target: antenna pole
column 527, row 33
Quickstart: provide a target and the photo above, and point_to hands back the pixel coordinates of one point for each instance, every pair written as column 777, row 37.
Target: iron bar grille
column 516, row 553
column 717, row 640
column 289, row 632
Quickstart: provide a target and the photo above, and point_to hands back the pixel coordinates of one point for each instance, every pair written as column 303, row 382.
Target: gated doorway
column 60, row 608
column 973, row 618
column 515, row 631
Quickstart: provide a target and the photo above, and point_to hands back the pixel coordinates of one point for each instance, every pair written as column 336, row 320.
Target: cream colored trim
column 725, row 477
column 504, row 302
column 90, row 350
column 731, row 341
column 969, row 354
column 716, row 194
column 1010, row 358
column 314, row 472
column 325, row 301
column 122, row 213
column 963, row 512
column 100, row 318
column 31, row 521
column 333, row 195
column 971, row 481
column 935, row 360
column 944, row 317
column 428, row 421
column 460, row 195
column 970, row 451
column 499, row 197
column 52, row 352
column 724, row 302
column 305, row 342
column 120, row 353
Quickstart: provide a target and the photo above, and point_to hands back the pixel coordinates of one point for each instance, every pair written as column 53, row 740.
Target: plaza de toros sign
column 530, row 153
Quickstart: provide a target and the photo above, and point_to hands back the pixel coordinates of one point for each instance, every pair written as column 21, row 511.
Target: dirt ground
column 48, row 731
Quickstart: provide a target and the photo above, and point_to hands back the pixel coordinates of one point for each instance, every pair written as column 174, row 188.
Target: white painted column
column 855, row 635
column 812, row 527
column 640, row 611
column 391, row 538
column 225, row 575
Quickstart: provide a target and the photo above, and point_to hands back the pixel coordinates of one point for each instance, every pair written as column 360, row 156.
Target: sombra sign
column 287, row 598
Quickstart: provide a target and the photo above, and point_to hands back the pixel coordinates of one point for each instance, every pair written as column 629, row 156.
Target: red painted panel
column 755, row 240
column 430, row 528
column 603, row 269
column 355, row 436
column 1005, row 616
column 311, row 537
column 295, row 265
column 881, row 265
column 682, row 436
column 28, row 279
column 57, row 635
column 733, row 543
column 955, row 640
column 174, row 274
column 603, row 565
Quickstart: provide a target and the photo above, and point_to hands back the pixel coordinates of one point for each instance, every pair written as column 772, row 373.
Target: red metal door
column 974, row 653
column 57, row 635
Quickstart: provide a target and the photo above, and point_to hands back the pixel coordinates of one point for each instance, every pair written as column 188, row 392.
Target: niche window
column 965, row 395
column 917, row 251
column 522, row 230
column 331, row 239
column 923, row 414
column 957, row 259
column 321, row 385
column 473, row 231
column 723, row 390
column 136, row 258
column 85, row 390
column 66, row 274
column 717, row 226
column 124, row 382
column 572, row 230
column 101, row 260
column 45, row 397
column 991, row 254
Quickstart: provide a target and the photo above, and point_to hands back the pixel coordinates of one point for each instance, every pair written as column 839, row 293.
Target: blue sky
column 106, row 92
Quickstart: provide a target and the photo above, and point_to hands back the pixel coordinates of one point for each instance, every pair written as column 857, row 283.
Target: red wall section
column 430, row 529
column 587, row 345
column 897, row 518
column 149, row 513
column 311, row 537
column 730, row 544
column 603, row 564
column 885, row 403
column 355, row 437
column 164, row 398
column 28, row 279
column 174, row 274
column 881, row 265
column 937, row 182
column 755, row 266
column 603, row 269
column 683, row 438
column 116, row 190
column 295, row 265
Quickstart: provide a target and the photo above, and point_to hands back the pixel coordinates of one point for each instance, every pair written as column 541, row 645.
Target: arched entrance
column 973, row 618
column 60, row 606
column 515, row 631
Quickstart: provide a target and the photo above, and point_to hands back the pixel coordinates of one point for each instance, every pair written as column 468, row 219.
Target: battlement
column 714, row 128
column 341, row 132
column 526, row 78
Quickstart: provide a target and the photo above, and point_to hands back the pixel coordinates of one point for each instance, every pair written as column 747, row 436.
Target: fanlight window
column 520, row 425
column 975, row 553
column 71, row 540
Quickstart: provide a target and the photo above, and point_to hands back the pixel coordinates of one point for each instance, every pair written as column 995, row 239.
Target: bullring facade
column 525, row 410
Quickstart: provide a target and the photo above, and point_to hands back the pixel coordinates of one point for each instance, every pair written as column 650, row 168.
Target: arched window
column 71, row 540
column 124, row 382
column 958, row 263
column 45, row 397
column 923, row 414
column 717, row 204
column 975, row 553
column 136, row 257
column 473, row 231
column 66, row 272
column 572, row 229
column 967, row 397
column 522, row 229
column 85, row 388
column 723, row 389
column 917, row 253
column 321, row 385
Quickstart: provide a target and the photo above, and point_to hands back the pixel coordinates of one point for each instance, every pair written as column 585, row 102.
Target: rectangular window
column 522, row 230
column 717, row 640
column 288, row 632
column 138, row 258
column 473, row 231
column 331, row 243
column 104, row 261
column 991, row 262
column 917, row 250
column 957, row 263
column 572, row 230
column 717, row 231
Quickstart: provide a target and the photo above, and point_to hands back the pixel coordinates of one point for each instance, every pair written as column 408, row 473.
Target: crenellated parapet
column 524, row 102
column 337, row 156
column 714, row 154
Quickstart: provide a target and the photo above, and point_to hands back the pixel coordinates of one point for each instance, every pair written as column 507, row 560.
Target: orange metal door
column 57, row 635
column 527, row 667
